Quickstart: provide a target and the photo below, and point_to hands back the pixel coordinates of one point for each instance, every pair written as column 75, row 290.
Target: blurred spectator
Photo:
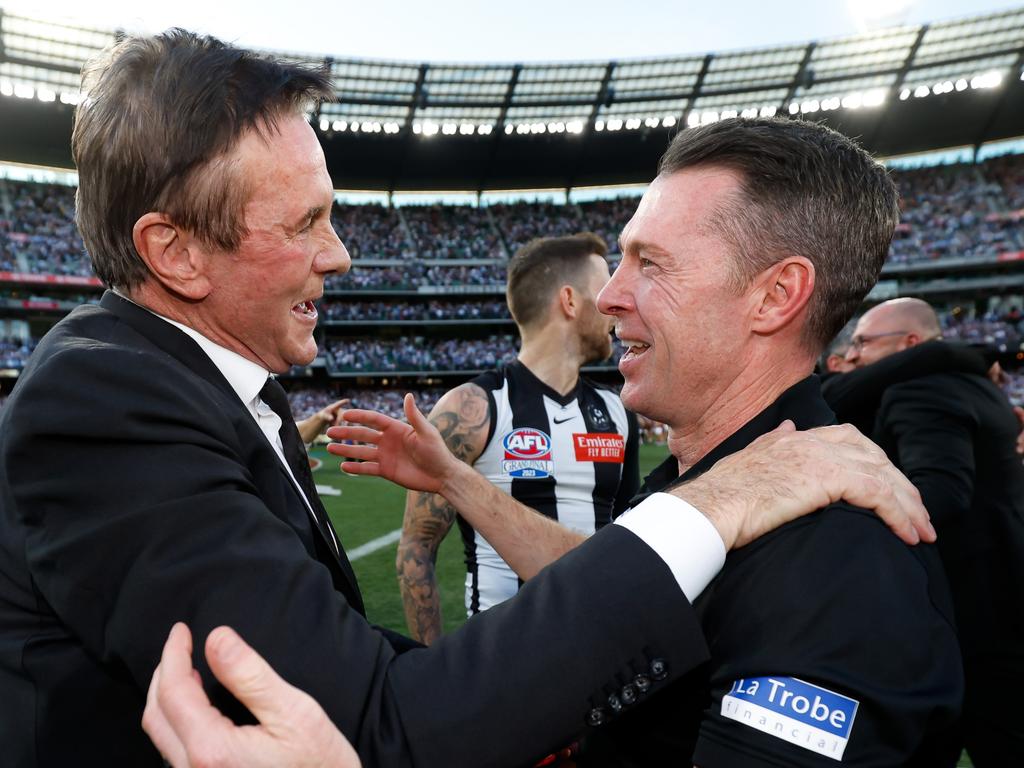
column 453, row 232
column 521, row 222
column 334, row 310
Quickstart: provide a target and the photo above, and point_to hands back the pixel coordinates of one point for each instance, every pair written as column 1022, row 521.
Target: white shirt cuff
column 681, row 536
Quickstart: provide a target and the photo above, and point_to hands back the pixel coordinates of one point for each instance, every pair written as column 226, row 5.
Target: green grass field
column 369, row 508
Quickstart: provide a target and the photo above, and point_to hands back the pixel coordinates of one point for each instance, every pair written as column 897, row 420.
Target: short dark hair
column 154, row 131
column 542, row 266
column 808, row 191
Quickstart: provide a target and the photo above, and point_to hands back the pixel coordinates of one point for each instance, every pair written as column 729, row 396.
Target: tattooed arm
column 462, row 417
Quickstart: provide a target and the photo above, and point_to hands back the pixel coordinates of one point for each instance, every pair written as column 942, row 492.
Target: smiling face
column 674, row 305
column 260, row 302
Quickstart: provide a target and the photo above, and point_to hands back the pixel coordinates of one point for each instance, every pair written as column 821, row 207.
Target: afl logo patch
column 527, row 453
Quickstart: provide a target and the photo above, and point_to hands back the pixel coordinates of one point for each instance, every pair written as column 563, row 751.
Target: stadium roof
column 400, row 125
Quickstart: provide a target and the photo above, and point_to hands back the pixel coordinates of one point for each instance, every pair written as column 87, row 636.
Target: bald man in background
column 954, row 433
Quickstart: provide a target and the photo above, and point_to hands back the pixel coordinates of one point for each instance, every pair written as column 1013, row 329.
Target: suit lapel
column 179, row 346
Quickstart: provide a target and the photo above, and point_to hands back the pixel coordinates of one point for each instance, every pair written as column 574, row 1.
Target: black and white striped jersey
column 573, row 458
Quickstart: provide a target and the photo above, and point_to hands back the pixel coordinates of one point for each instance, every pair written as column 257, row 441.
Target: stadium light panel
column 875, row 98
column 921, row 91
column 484, row 130
column 6, row 88
column 668, row 121
column 574, row 126
column 599, row 125
column 466, row 129
column 651, row 122
column 856, row 100
column 23, row 91
column 809, row 107
column 509, row 129
column 706, row 118
column 430, row 129
column 417, row 128
column 448, row 129
column 324, row 124
column 991, row 79
column 72, row 99
column 633, row 123
column 961, row 84
column 615, row 124
column 749, row 112
column 727, row 113
column 904, row 94
column 768, row 111
column 794, row 108
column 693, row 120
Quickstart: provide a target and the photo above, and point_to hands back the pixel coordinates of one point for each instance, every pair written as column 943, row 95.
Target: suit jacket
column 954, row 435
column 136, row 490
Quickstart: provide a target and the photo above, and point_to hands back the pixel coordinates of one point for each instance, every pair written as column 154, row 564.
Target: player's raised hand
column 786, row 474
column 412, row 455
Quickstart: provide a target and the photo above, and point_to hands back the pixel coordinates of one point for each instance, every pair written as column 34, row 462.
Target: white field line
column 373, row 545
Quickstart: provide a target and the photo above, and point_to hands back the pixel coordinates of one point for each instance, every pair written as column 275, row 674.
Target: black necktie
column 295, row 454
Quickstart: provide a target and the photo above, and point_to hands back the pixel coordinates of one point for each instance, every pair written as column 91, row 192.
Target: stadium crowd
column 963, row 211
column 342, row 311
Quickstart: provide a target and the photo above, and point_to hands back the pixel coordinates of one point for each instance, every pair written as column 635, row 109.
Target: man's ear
column 568, row 301
column 783, row 292
column 175, row 258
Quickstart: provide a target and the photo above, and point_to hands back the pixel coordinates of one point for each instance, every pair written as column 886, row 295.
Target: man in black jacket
column 945, row 424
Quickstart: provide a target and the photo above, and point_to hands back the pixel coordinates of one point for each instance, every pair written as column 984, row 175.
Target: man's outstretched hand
column 294, row 732
column 786, row 474
column 412, row 455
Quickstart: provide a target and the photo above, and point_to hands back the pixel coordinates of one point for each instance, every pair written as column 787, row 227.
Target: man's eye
column 645, row 263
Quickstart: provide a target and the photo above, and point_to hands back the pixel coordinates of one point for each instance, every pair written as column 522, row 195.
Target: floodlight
column 417, row 128
column 707, row 118
column 921, row 91
column 466, row 129
column 509, row 128
column 574, row 126
column 794, row 108
column 988, row 80
column 768, row 111
column 693, row 120
column 24, row 91
column 668, row 121
column 651, row 122
column 484, row 130
column 614, row 124
column 430, row 129
column 324, row 122
column 875, row 98
column 856, row 100
column 961, row 84
column 72, row 99
column 599, row 125
column 904, row 94
column 632, row 123
column 810, row 106
column 448, row 129
column 6, row 88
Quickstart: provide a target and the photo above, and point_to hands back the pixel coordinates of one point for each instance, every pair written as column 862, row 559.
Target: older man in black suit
column 942, row 420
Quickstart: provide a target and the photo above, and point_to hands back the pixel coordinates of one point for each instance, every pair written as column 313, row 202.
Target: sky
column 509, row 30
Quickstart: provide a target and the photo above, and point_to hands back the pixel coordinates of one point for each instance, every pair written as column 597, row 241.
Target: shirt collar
column 245, row 377
column 802, row 403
